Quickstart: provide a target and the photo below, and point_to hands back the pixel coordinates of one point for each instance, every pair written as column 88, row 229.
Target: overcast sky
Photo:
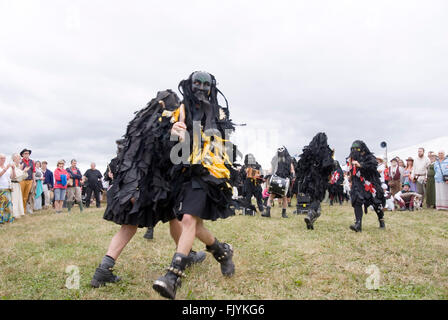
column 72, row 73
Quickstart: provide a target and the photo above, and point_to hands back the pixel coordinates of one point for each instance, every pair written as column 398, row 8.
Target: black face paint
column 356, row 150
column 201, row 83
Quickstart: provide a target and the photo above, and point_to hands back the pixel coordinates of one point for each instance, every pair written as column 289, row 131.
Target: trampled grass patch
column 275, row 258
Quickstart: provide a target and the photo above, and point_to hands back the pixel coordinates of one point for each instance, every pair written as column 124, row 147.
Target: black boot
column 103, row 273
column 223, row 253
column 195, row 257
column 380, row 213
column 149, row 235
column 284, row 213
column 357, row 226
column 267, row 212
column 310, row 218
column 167, row 285
column 312, row 215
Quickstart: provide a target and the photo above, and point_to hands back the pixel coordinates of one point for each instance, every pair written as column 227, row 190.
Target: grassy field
column 275, row 258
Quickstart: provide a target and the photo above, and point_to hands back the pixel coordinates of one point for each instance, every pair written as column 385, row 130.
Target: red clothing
column 57, row 178
column 386, row 174
column 27, row 163
column 76, row 181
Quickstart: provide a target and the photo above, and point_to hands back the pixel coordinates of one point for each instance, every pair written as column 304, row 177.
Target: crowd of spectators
column 27, row 186
column 415, row 183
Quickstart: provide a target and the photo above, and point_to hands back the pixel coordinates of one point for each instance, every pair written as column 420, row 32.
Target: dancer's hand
column 179, row 129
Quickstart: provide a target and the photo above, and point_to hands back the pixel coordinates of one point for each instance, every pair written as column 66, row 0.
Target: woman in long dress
column 431, row 184
column 16, row 193
column 39, row 177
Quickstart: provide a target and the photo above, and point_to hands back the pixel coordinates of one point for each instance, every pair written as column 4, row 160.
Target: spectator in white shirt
column 421, row 164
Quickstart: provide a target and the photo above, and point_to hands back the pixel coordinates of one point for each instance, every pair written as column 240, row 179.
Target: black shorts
column 195, row 200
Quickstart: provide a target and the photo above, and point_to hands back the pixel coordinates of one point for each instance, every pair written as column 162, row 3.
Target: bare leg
column 120, row 240
column 203, row 233
column 58, row 205
column 270, row 199
column 285, row 203
column 175, row 230
column 188, row 234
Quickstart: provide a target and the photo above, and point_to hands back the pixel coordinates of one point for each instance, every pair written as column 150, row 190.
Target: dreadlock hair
column 189, row 100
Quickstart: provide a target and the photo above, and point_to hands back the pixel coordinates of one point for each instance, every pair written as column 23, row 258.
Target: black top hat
column 23, row 151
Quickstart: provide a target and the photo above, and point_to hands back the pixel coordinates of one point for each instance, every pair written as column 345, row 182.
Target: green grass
column 275, row 258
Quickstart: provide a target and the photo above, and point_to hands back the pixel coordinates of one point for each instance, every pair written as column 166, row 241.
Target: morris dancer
column 141, row 194
column 366, row 184
column 313, row 171
column 204, row 191
column 282, row 166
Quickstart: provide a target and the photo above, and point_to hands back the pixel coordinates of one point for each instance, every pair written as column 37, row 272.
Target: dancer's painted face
column 355, row 150
column 201, row 84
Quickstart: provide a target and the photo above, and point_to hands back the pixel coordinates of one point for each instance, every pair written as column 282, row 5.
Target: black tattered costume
column 149, row 188
column 336, row 188
column 251, row 175
column 366, row 189
column 200, row 178
column 141, row 193
column 158, row 178
column 313, row 171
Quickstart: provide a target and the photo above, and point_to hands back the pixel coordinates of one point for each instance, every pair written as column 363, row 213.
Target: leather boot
column 284, row 213
column 382, row 224
column 357, row 226
column 195, row 257
column 310, row 218
column 104, row 273
column 223, row 253
column 149, row 235
column 267, row 212
column 167, row 285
